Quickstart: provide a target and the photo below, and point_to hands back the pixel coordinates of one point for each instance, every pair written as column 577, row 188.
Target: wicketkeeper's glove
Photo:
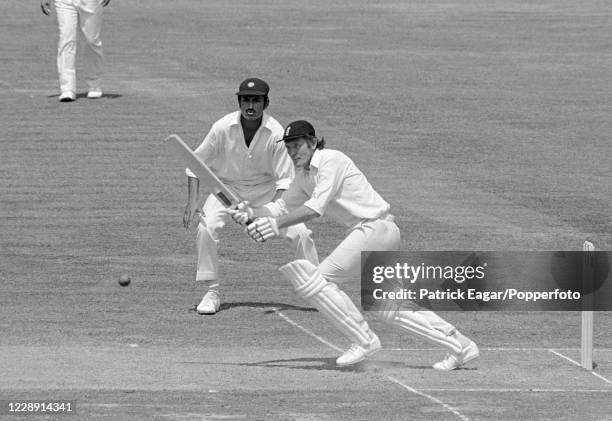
column 263, row 229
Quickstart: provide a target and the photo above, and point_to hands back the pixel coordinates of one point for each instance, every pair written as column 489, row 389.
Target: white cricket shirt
column 336, row 187
column 264, row 164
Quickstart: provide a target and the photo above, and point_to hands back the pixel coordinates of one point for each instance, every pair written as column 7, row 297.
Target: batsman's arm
column 275, row 208
column 265, row 228
column 278, row 194
column 299, row 215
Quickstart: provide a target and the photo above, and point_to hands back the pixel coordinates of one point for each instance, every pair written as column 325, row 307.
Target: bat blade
column 207, row 178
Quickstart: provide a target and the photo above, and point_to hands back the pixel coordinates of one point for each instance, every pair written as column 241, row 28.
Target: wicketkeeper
column 328, row 182
column 242, row 150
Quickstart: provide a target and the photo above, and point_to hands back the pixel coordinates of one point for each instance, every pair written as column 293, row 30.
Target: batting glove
column 263, row 229
column 243, row 214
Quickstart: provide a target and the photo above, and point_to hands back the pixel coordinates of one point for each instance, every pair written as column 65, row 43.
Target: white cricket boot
column 357, row 353
column 67, row 96
column 94, row 93
column 210, row 303
column 454, row 361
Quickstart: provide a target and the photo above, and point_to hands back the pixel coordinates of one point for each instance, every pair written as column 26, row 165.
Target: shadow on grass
column 273, row 307
column 324, row 364
column 84, row 95
column 329, row 364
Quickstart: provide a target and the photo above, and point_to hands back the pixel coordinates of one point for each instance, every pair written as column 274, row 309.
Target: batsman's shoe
column 210, row 303
column 357, row 353
column 94, row 93
column 452, row 361
column 67, row 96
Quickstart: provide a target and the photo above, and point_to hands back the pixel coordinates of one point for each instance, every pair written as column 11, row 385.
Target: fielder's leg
column 432, row 327
column 67, row 19
column 336, row 306
column 207, row 241
column 90, row 18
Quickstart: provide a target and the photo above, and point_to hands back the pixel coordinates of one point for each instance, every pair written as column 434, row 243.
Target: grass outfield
column 485, row 124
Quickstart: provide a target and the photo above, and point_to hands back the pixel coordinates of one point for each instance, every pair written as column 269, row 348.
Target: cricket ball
column 124, row 280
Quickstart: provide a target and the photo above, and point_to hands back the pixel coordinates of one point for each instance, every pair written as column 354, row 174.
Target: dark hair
column 320, row 142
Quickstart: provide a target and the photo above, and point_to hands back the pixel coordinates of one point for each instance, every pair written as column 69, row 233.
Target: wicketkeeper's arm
column 193, row 201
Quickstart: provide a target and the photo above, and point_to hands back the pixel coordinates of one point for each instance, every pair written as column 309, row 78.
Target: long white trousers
column 214, row 221
column 344, row 263
column 86, row 15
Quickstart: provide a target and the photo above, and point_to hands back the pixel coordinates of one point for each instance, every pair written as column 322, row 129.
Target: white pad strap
column 302, row 242
column 328, row 299
column 424, row 323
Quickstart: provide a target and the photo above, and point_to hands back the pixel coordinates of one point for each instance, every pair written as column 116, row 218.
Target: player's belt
column 384, row 217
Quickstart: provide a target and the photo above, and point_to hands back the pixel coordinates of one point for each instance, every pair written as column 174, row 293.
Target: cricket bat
column 207, row 178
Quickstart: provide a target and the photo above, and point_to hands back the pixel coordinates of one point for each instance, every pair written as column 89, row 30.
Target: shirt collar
column 316, row 159
column 265, row 120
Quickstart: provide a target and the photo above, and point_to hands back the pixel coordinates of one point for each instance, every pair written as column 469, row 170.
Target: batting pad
column 424, row 323
column 328, row 299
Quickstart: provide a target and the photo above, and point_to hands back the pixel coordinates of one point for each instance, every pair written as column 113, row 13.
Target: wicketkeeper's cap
column 253, row 86
column 298, row 129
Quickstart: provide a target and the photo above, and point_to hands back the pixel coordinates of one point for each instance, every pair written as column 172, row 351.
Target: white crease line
column 394, row 380
column 518, row 390
column 501, row 349
column 303, row 329
column 564, row 357
column 431, row 398
column 599, row 376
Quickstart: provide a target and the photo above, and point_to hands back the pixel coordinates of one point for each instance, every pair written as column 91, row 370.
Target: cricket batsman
column 242, row 150
column 328, row 182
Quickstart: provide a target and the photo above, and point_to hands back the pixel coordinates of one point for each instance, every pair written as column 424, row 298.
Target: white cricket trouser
column 345, row 263
column 87, row 15
column 214, row 220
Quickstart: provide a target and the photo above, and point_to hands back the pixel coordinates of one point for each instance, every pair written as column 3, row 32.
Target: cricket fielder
column 328, row 182
column 87, row 15
column 242, row 149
